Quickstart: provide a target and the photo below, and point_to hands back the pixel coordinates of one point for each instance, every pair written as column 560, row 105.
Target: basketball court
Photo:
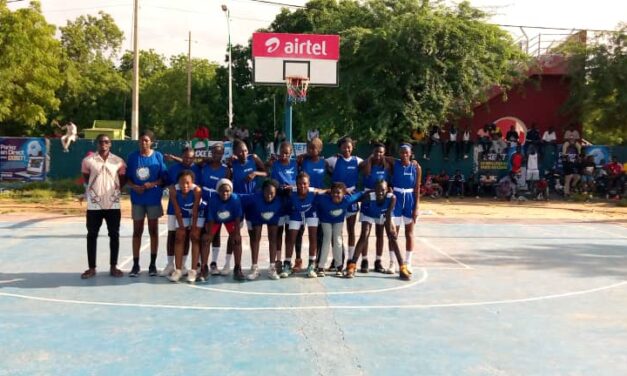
column 485, row 298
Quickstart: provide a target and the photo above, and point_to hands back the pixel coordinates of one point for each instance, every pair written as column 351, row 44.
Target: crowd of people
column 286, row 195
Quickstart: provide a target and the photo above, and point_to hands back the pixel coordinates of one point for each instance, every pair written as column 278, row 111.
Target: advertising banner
column 23, row 158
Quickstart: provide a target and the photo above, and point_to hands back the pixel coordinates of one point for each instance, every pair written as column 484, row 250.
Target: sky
column 164, row 24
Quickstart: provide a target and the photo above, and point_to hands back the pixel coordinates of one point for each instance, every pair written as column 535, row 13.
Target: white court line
column 438, row 250
column 593, row 229
column 323, row 307
column 12, row 280
column 423, row 278
column 142, row 249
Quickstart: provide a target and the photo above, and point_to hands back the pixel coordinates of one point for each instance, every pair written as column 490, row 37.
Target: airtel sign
column 297, row 46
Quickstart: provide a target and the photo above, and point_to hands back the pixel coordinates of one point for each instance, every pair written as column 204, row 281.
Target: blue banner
column 23, row 159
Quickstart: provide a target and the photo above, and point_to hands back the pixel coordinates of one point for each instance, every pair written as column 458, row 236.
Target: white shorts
column 374, row 221
column 173, row 224
column 533, row 175
column 309, row 222
column 398, row 221
column 283, row 220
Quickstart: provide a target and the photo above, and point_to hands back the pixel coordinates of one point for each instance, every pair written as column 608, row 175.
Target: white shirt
column 312, row 133
column 549, row 136
column 103, row 188
column 453, row 135
column 532, row 162
column 70, row 129
column 466, row 136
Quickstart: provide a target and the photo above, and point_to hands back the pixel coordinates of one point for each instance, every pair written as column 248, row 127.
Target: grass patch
column 42, row 191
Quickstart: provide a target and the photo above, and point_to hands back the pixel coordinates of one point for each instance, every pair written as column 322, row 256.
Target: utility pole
column 189, row 83
column 226, row 10
column 135, row 106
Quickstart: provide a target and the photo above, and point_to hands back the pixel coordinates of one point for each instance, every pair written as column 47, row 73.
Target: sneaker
column 350, row 269
column 404, row 274
column 331, row 267
column 410, row 270
column 203, row 276
column 390, row 270
column 134, row 272
column 364, row 266
column 338, row 272
column 226, row 270
column 272, row 274
column 287, row 270
column 278, row 266
column 320, row 272
column 238, row 275
column 169, row 269
column 254, row 273
column 214, row 269
column 311, row 271
column 184, row 270
column 175, row 276
column 298, row 266
column 191, row 276
column 152, row 271
column 378, row 266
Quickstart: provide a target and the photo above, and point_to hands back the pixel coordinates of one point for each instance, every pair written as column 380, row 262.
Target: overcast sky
column 164, row 24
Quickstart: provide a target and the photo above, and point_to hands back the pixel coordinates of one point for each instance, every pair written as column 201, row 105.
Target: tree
column 598, row 75
column 29, row 69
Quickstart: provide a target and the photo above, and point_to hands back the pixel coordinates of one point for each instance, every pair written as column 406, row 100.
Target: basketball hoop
column 297, row 88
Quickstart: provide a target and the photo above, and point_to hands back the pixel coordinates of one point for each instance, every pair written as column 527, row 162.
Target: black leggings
column 94, row 221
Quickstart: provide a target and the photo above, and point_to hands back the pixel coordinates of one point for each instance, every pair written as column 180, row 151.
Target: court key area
column 486, row 298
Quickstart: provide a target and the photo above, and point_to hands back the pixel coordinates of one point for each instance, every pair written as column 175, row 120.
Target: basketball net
column 297, row 88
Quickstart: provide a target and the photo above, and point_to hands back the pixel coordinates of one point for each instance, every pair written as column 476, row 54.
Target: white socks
column 215, row 252
column 170, row 260
column 408, row 257
column 227, row 260
column 351, row 251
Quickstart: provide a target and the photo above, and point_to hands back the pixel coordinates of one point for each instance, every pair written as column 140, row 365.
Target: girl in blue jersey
column 406, row 178
column 345, row 169
column 284, row 171
column 377, row 208
column 146, row 172
column 267, row 209
column 373, row 169
column 332, row 209
column 303, row 214
column 184, row 162
column 225, row 208
column 212, row 171
column 313, row 163
column 183, row 218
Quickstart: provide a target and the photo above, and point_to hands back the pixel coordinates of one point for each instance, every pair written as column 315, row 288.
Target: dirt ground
column 439, row 209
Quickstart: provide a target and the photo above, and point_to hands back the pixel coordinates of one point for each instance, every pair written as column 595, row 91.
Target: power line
column 554, row 28
column 269, row 2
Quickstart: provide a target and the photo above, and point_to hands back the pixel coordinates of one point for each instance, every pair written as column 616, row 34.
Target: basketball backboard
column 279, row 55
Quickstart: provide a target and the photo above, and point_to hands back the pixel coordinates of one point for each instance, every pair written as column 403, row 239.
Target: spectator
column 71, row 134
column 229, row 134
column 571, row 140
column 571, row 175
column 533, row 140
column 614, row 177
column 587, row 174
column 487, row 183
column 483, row 138
column 498, row 144
column 279, row 137
column 259, row 144
column 245, row 136
column 516, row 161
column 549, row 139
column 512, row 136
column 313, row 133
column 465, row 144
column 444, row 140
column 453, row 142
column 202, row 132
column 533, row 172
column 456, row 184
column 442, row 179
column 495, row 131
column 506, row 188
column 434, row 138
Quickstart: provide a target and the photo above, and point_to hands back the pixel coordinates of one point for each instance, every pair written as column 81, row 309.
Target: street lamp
column 226, row 11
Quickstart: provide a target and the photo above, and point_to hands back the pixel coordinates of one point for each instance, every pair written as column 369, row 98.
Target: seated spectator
column 571, row 175
column 202, row 132
column 444, row 141
column 456, row 184
column 549, row 140
column 434, row 138
column 586, row 172
column 512, row 137
column 71, row 134
column 615, row 178
column 313, row 133
column 533, row 140
column 463, row 147
column 541, row 191
column 483, row 138
column 498, row 144
column 442, row 179
column 533, row 172
column 571, row 140
column 495, row 131
column 506, row 189
column 487, row 184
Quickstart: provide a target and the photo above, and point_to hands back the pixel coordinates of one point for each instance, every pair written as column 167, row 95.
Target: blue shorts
column 405, row 203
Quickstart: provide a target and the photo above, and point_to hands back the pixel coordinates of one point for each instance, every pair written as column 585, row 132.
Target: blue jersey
column 330, row 212
column 175, row 170
column 141, row 169
column 300, row 208
column 210, row 176
column 284, row 174
column 240, row 173
column 373, row 209
column 376, row 173
column 219, row 211
column 404, row 177
column 346, row 171
column 186, row 203
column 315, row 170
column 260, row 212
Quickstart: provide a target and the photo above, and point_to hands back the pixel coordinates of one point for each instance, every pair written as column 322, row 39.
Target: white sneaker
column 226, row 270
column 254, row 273
column 184, row 270
column 390, row 270
column 213, row 269
column 191, row 276
column 272, row 274
column 409, row 268
column 175, row 276
column 167, row 271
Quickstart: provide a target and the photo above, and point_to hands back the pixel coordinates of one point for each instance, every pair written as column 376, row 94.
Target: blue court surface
column 487, row 298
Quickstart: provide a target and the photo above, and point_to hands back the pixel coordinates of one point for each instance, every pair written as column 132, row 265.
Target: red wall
column 538, row 101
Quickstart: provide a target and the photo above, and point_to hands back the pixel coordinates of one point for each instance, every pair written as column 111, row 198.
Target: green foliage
column 29, row 69
column 598, row 74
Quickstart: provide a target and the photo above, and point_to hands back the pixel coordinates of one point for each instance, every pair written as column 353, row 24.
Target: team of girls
column 290, row 201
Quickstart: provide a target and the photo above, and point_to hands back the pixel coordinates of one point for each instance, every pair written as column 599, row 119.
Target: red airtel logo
column 300, row 46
